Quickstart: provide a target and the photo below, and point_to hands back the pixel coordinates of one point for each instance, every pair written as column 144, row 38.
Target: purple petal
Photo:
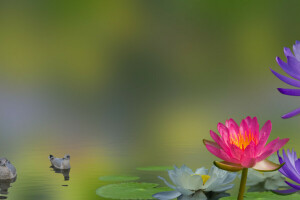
column 286, row 79
column 285, row 192
column 291, row 92
column 297, row 165
column 287, row 52
column 291, row 114
column 287, row 159
column 294, row 154
column 279, row 157
column 296, row 48
column 287, row 68
column 294, row 63
column 291, row 155
column 289, row 169
column 281, row 170
column 297, row 187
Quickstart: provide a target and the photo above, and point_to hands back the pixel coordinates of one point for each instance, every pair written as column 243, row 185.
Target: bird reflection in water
column 4, row 186
column 64, row 172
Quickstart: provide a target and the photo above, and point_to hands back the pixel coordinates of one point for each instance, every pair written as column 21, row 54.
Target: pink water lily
column 244, row 146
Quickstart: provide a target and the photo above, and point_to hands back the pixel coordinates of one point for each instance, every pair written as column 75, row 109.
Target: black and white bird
column 7, row 170
column 60, row 163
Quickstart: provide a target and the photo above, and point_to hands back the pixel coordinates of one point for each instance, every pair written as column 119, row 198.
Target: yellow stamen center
column 205, row 178
column 243, row 140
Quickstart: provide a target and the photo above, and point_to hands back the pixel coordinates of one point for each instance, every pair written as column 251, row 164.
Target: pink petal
column 280, row 144
column 223, row 130
column 265, row 155
column 236, row 152
column 254, row 127
column 272, row 147
column 267, row 166
column 249, row 121
column 243, row 127
column 264, row 135
column 249, row 159
column 212, row 148
column 218, row 140
column 232, row 126
column 211, row 143
column 233, row 133
column 265, row 132
column 250, row 150
column 230, row 122
column 228, row 166
column 248, row 163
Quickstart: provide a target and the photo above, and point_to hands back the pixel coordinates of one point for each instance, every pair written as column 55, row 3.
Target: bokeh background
column 125, row 84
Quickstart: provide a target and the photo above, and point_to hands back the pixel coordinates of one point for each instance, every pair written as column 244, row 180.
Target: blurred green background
column 125, row 84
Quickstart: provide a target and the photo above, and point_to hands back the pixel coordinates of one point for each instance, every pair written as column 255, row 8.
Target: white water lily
column 198, row 185
column 265, row 181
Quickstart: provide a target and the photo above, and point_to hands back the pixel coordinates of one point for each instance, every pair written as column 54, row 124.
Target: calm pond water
column 90, row 159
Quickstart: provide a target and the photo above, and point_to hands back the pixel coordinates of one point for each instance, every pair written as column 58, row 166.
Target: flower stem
column 243, row 184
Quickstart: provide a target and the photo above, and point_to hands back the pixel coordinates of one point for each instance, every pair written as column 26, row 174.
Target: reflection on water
column 64, row 172
column 4, row 186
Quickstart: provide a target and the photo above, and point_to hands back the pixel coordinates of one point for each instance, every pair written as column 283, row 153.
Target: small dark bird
column 7, row 170
column 60, row 163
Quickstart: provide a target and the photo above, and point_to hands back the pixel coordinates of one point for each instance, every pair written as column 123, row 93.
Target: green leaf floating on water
column 118, row 178
column 155, row 168
column 265, row 196
column 130, row 190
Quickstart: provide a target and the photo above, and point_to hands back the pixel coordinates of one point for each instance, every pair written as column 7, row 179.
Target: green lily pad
column 118, row 178
column 264, row 196
column 155, row 168
column 130, row 190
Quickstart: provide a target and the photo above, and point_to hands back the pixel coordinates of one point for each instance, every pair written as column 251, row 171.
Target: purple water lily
column 292, row 68
column 291, row 170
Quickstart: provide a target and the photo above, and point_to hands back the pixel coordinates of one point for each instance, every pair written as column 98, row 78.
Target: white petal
column 201, row 171
column 229, row 178
column 219, row 178
column 172, row 176
column 188, row 181
column 194, row 182
column 185, row 169
column 184, row 191
column 212, row 170
column 166, row 182
column 167, row 195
